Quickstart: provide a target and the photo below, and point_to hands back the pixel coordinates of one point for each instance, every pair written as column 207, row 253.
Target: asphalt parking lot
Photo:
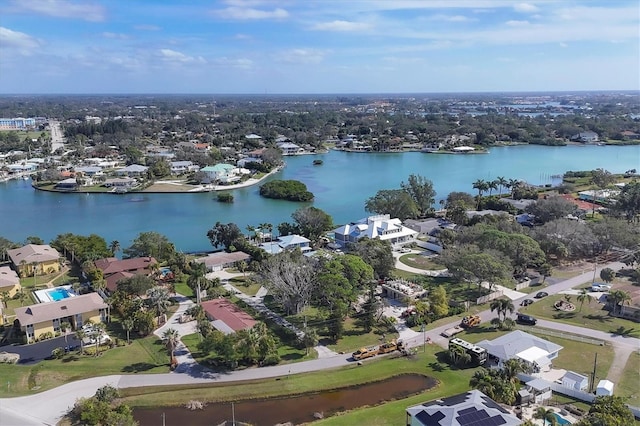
column 36, row 352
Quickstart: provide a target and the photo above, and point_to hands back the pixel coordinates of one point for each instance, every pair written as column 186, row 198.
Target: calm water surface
column 341, row 186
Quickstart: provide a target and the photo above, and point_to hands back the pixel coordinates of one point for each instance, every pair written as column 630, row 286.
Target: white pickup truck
column 600, row 287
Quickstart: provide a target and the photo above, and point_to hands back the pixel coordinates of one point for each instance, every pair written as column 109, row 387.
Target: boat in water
column 317, row 162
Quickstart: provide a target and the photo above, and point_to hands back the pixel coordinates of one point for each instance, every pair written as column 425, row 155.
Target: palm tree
column 502, row 183
column 501, row 306
column 65, row 326
column 546, row 415
column 512, row 367
column 99, row 333
column 618, row 298
column 514, row 183
column 80, row 335
column 198, row 280
column 114, row 246
column 484, row 382
column 252, row 229
column 492, row 185
column 21, row 296
column 128, row 324
column 481, row 186
column 171, row 337
column 584, row 296
column 159, row 298
column 34, row 269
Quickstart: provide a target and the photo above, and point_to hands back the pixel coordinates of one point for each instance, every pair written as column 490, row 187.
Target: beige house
column 35, row 320
column 9, row 281
column 35, row 259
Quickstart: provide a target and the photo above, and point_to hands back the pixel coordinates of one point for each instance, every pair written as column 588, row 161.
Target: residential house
column 585, row 137
column 180, row 167
column 134, row 170
column 575, row 381
column 465, row 409
column 288, row 242
column 114, row 270
column 226, row 316
column 9, row 281
column 599, row 195
column 289, row 148
column 221, row 260
column 534, row 351
column 35, row 320
column 380, row 226
column 220, row 172
column 70, row 184
column 35, row 259
column 89, row 170
column 253, row 137
column 628, row 134
column 125, row 182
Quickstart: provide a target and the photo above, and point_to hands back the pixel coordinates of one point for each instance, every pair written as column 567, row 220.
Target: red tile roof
column 582, row 205
column 225, row 311
column 111, row 265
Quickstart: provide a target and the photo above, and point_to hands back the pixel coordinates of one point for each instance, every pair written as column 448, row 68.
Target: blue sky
column 318, row 46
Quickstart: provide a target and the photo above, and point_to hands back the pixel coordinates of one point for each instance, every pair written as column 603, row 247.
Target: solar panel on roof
column 430, row 419
column 455, row 400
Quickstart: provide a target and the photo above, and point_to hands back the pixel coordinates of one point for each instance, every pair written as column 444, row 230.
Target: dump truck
column 450, row 332
column 470, row 321
column 385, row 348
column 364, row 353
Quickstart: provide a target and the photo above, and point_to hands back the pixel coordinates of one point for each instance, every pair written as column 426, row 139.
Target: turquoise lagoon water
column 341, row 186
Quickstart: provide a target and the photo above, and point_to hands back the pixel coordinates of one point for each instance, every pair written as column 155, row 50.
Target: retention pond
column 295, row 409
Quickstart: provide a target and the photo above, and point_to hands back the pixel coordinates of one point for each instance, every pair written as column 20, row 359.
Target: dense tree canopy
column 224, row 235
column 151, row 244
column 552, row 208
column 421, row 191
column 290, row 278
column 312, row 222
column 397, row 203
column 291, row 190
column 376, row 253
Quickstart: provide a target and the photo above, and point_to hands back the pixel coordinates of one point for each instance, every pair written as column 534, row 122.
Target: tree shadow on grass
column 564, row 315
column 600, row 318
column 624, row 332
column 293, row 356
column 70, row 358
column 137, row 367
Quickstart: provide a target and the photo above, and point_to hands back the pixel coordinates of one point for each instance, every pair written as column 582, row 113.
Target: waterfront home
column 534, row 351
column 221, row 260
column 288, row 242
column 380, row 226
column 36, row 320
column 9, row 281
column 126, row 182
column 132, row 170
column 469, row 408
column 70, row 184
column 35, row 259
column 599, row 195
column 585, row 137
column 114, row 270
column 219, row 172
column 180, row 167
column 89, row 170
column 227, row 317
column 289, row 148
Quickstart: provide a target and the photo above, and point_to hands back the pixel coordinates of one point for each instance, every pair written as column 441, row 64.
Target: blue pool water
column 58, row 294
column 561, row 420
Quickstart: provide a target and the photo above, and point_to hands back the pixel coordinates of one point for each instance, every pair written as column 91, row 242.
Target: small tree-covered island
column 514, row 300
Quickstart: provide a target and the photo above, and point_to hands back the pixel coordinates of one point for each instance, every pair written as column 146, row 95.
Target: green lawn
column 245, row 285
column 184, row 289
column 355, row 337
column 591, row 316
column 146, row 355
column 39, row 280
column 420, row 262
column 22, row 134
column 630, row 383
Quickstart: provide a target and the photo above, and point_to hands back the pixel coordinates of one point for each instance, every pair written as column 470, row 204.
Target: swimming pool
column 58, row 294
column 561, row 420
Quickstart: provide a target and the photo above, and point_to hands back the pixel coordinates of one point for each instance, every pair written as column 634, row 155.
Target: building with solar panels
column 471, row 408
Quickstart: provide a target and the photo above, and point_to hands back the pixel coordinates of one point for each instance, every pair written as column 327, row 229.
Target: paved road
column 47, row 407
column 57, row 138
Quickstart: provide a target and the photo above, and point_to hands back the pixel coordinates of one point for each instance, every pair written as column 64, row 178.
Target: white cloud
column 63, row 9
column 10, row 39
column 242, row 37
column 250, row 14
column 525, row 8
column 451, row 18
column 174, row 56
column 117, row 36
column 341, row 26
column 146, row 27
column 301, row 56
column 515, row 23
column 240, row 63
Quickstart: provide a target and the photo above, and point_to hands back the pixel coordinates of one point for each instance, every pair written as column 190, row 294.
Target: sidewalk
column 184, row 357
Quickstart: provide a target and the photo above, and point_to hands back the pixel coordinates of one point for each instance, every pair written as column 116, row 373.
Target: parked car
column 405, row 250
column 526, row 319
column 600, row 287
column 526, row 302
column 541, row 294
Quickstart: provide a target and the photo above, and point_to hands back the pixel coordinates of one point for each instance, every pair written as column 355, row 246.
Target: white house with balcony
column 380, row 226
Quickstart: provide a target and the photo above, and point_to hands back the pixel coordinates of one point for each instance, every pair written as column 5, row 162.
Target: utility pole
column 163, row 419
column 424, row 338
column 233, row 414
column 593, row 374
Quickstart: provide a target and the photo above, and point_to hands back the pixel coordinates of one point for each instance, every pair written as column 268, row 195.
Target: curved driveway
column 48, row 407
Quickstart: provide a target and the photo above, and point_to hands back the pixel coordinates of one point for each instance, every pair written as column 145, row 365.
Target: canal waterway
column 341, row 186
column 295, row 409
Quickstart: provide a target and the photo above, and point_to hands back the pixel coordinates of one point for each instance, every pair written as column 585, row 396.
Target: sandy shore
column 181, row 186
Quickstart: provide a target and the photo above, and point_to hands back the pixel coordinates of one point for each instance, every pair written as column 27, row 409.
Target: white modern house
column 288, row 242
column 132, row 170
column 179, row 167
column 534, row 351
column 380, row 226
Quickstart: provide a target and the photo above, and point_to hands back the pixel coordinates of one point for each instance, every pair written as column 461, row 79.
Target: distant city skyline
column 318, row 46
